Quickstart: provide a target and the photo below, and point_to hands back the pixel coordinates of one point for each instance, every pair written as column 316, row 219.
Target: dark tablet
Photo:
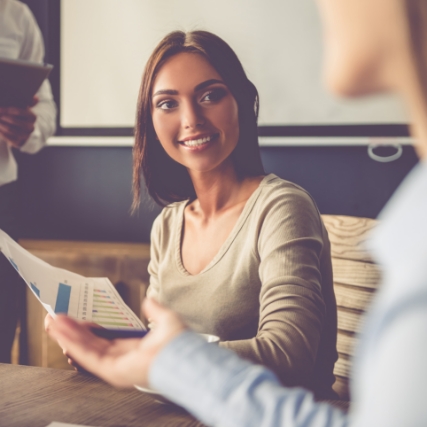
column 20, row 80
column 111, row 334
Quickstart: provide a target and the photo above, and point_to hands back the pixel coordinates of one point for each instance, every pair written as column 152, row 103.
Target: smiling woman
column 220, row 78
column 236, row 253
column 198, row 124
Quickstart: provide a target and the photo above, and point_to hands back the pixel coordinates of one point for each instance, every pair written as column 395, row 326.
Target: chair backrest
column 356, row 278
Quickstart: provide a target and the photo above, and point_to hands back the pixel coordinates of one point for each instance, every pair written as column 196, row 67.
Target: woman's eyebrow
column 207, row 83
column 166, row 92
column 198, row 87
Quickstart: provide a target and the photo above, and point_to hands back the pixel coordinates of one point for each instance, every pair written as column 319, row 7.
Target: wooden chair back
column 356, row 278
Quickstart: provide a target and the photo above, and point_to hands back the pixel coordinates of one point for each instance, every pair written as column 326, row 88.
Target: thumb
column 152, row 309
column 34, row 101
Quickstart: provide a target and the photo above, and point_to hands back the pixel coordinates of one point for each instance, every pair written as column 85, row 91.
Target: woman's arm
column 292, row 308
column 153, row 266
column 220, row 389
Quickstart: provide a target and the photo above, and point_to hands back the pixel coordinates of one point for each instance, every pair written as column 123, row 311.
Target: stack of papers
column 60, row 291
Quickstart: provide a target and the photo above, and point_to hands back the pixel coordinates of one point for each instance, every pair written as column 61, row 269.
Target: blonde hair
column 417, row 16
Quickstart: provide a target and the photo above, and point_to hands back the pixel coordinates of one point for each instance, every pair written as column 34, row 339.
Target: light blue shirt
column 390, row 365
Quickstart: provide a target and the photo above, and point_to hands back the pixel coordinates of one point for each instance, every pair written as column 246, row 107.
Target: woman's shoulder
column 283, row 202
column 274, row 188
column 171, row 212
column 169, row 215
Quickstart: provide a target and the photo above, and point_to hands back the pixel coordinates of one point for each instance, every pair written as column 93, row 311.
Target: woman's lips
column 199, row 142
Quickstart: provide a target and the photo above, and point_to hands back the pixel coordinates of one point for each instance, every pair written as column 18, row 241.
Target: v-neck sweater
column 267, row 293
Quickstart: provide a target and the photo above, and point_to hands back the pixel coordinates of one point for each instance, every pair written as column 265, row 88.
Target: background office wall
column 84, row 193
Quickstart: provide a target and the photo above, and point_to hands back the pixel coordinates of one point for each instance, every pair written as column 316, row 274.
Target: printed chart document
column 60, row 291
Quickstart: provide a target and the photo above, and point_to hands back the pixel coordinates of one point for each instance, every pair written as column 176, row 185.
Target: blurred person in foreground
column 371, row 46
column 26, row 130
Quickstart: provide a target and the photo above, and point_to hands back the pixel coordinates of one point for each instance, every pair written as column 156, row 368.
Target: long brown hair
column 166, row 180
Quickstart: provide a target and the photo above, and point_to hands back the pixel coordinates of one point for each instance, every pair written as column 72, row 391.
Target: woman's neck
column 220, row 190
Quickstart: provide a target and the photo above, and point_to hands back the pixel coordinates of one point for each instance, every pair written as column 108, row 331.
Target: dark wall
column 81, row 193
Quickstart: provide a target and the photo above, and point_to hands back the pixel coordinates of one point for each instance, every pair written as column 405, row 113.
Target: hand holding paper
column 61, row 291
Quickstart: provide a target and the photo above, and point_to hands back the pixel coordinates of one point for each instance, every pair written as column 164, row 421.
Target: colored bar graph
column 35, row 289
column 63, row 298
column 14, row 264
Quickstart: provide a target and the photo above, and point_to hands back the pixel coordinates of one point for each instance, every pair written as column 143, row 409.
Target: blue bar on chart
column 63, row 298
column 35, row 289
column 14, row 264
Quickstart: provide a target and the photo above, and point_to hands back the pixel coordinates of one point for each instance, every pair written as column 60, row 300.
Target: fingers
column 34, row 101
column 153, row 310
column 47, row 322
column 76, row 340
column 66, row 329
column 16, row 125
column 73, row 363
column 121, row 362
column 91, row 353
column 161, row 316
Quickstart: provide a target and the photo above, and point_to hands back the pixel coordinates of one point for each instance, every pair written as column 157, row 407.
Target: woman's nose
column 192, row 116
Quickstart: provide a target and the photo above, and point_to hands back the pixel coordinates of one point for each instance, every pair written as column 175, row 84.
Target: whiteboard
column 106, row 43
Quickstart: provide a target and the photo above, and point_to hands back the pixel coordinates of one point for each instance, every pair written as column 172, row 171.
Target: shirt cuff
column 34, row 143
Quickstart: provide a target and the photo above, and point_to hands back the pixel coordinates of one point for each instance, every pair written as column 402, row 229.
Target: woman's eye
column 214, row 95
column 166, row 105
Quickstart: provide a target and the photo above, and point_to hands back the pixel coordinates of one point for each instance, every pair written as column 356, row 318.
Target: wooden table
column 32, row 396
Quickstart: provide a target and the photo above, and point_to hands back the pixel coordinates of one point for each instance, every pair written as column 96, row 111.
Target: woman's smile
column 195, row 116
column 199, row 142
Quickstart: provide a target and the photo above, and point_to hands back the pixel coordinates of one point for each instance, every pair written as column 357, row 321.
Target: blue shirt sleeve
column 221, row 389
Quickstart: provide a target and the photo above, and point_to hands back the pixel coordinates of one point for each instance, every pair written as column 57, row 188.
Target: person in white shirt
column 371, row 46
column 24, row 129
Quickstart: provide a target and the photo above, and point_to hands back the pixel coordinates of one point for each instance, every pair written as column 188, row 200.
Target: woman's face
column 360, row 39
column 194, row 114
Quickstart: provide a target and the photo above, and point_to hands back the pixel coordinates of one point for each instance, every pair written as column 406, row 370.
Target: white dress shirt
column 20, row 38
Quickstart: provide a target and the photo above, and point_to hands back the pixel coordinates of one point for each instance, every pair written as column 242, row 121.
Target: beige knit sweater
column 268, row 292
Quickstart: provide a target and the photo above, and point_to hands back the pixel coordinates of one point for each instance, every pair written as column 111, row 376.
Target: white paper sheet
column 61, row 291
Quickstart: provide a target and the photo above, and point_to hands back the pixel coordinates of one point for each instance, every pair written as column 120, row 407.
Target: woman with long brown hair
column 239, row 254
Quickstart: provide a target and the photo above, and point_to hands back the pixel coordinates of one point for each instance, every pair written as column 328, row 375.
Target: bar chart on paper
column 62, row 298
column 109, row 310
column 61, row 291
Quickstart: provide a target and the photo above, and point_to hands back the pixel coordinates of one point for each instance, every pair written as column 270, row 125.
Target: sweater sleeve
column 153, row 266
column 32, row 49
column 292, row 308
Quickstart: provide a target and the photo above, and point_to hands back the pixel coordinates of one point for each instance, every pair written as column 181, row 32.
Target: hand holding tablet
column 20, row 81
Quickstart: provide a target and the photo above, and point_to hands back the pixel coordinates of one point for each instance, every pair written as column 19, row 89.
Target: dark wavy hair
column 166, row 180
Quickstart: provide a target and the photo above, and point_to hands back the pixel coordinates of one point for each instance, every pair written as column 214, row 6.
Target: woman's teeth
column 197, row 142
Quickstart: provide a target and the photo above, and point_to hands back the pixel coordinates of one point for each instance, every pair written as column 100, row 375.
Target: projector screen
column 106, row 43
